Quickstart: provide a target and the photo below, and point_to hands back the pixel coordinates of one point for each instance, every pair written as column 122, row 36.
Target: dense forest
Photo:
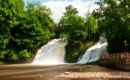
column 24, row 29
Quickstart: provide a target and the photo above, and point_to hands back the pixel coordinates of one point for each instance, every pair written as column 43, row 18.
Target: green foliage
column 70, row 10
column 63, row 35
column 74, row 50
column 4, row 39
column 9, row 10
column 88, row 45
column 74, row 57
column 73, row 26
column 1, row 63
column 2, row 54
column 91, row 25
column 79, row 31
column 115, row 22
column 75, row 29
column 12, row 56
column 24, row 55
column 22, row 31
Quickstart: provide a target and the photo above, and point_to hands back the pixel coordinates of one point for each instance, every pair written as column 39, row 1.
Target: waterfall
column 94, row 52
column 52, row 53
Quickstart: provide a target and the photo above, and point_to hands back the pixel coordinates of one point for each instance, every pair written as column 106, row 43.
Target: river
column 60, row 72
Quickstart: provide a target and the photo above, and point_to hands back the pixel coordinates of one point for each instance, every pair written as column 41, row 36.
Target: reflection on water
column 29, row 72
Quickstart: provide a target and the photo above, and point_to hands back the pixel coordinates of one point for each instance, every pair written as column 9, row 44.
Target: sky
column 58, row 6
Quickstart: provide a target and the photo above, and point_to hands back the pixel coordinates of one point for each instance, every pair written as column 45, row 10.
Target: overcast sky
column 58, row 6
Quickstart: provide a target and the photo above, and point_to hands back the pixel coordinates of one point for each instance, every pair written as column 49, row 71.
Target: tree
column 79, row 32
column 90, row 23
column 43, row 13
column 116, row 24
column 33, row 31
column 70, row 10
column 10, row 10
column 22, row 31
column 73, row 26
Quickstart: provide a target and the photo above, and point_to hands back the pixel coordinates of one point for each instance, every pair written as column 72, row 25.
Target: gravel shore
column 123, row 75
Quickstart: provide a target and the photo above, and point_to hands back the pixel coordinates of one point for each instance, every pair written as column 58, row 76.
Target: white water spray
column 52, row 53
column 94, row 52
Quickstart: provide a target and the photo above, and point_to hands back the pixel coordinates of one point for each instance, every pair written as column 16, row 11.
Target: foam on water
column 52, row 53
column 94, row 52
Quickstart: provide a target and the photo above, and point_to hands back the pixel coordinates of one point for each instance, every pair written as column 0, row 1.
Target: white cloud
column 58, row 7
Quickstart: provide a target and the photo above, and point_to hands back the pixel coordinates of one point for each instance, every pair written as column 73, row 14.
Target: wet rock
column 66, row 72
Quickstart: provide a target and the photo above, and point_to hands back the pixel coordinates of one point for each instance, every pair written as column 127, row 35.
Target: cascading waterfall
column 52, row 53
column 94, row 52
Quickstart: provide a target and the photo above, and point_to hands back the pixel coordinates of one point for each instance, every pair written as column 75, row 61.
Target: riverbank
column 97, row 75
column 60, row 72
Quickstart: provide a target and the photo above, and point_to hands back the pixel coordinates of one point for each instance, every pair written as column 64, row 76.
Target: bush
column 12, row 56
column 2, row 55
column 75, row 50
column 64, row 35
column 75, row 55
column 1, row 63
column 24, row 55
column 88, row 45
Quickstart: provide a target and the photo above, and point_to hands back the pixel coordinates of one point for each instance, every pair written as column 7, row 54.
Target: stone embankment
column 120, row 61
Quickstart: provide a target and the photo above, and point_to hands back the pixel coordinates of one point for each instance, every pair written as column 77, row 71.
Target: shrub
column 2, row 54
column 24, row 55
column 12, row 56
column 1, row 63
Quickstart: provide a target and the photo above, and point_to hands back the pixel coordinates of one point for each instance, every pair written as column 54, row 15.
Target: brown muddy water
column 60, row 72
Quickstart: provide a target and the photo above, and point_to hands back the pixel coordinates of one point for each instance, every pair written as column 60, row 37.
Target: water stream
column 52, row 53
column 94, row 52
